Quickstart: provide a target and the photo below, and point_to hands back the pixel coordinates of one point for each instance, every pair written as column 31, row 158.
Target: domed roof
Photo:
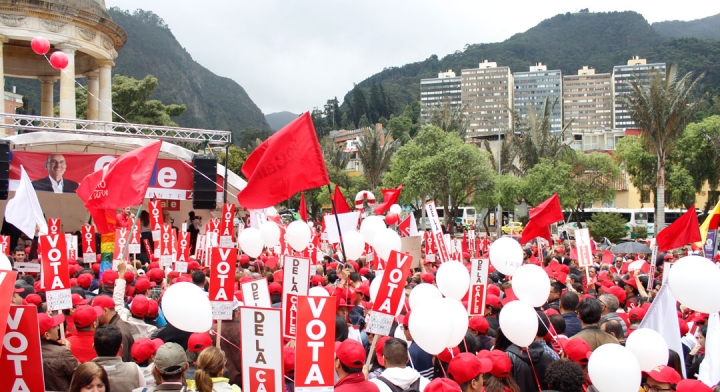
column 95, row 7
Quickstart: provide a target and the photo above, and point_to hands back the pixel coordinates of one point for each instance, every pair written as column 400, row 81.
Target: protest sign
column 256, row 293
column 183, row 247
column 7, row 285
column 478, row 286
column 437, row 233
column 88, row 244
column 429, row 243
column 134, row 238
column 120, row 250
column 584, row 251
column 5, row 245
column 21, row 366
column 296, row 282
column 227, row 225
column 55, row 271
column 199, row 247
column 27, row 267
column 315, row 344
column 413, row 246
column 54, row 225
column 146, row 243
column 174, row 244
column 389, row 296
column 156, row 218
column 165, row 245
column 261, row 341
column 222, row 282
column 348, row 222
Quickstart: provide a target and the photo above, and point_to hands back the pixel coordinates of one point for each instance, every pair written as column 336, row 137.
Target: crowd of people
column 116, row 337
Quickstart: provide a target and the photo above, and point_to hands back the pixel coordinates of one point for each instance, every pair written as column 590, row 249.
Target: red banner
column 7, row 285
column 390, row 294
column 227, row 228
column 21, row 366
column 55, row 271
column 296, row 282
column 429, row 244
column 54, row 225
column 147, row 248
column 478, row 286
column 222, row 282
column 261, row 341
column 5, row 245
column 171, row 179
column 315, row 342
column 184, row 247
column 165, row 245
column 88, row 243
column 120, row 250
column 156, row 218
column 134, row 237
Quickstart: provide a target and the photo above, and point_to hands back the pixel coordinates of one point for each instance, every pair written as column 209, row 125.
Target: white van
column 467, row 216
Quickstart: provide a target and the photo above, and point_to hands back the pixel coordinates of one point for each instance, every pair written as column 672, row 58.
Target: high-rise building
column 622, row 76
column 487, row 96
column 536, row 87
column 587, row 100
column 445, row 89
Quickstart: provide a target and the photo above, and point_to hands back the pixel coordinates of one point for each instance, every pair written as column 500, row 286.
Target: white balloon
column 5, row 263
column 693, row 281
column 386, row 241
column 354, row 244
column 422, row 293
column 318, row 291
column 298, row 235
column 251, row 241
column 613, row 368
column 519, row 323
column 270, row 233
column 531, row 284
column 649, row 347
column 396, row 209
column 428, row 328
column 455, row 314
column 187, row 307
column 370, row 226
column 453, row 279
column 506, row 255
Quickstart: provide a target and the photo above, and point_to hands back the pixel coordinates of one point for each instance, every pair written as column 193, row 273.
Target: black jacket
column 522, row 369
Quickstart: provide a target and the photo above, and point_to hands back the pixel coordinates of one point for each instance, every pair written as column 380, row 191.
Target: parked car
column 515, row 227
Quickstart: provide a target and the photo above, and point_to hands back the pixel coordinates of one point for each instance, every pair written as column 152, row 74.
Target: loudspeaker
column 4, row 169
column 204, row 188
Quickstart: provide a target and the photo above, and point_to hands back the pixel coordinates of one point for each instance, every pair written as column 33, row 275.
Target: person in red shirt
column 123, row 218
column 86, row 321
column 349, row 361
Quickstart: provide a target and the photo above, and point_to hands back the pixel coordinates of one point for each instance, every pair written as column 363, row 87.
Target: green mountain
column 280, row 119
column 567, row 42
column 705, row 28
column 213, row 102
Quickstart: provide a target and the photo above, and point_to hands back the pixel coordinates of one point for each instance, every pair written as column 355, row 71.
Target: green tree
column 359, row 106
column 607, row 224
column 333, row 153
column 250, row 137
column 236, row 158
column 641, row 165
column 375, row 152
column 508, row 155
column 332, row 113
column 661, row 109
column 505, row 190
column 548, row 177
column 594, row 177
column 440, row 166
column 364, row 122
column 400, row 128
column 448, row 117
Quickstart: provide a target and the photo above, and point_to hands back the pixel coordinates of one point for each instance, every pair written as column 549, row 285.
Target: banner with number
column 55, row 271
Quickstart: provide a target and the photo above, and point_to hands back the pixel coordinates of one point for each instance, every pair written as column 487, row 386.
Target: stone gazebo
column 82, row 29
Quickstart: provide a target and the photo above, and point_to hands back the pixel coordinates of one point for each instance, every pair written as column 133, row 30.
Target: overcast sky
column 295, row 54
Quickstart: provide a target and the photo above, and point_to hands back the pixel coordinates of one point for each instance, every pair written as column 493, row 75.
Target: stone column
column 105, row 93
column 46, row 100
column 67, row 82
column 93, row 86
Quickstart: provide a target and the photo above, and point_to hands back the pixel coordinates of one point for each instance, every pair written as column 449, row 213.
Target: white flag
column 662, row 318
column 710, row 366
column 348, row 222
column 24, row 210
column 413, row 227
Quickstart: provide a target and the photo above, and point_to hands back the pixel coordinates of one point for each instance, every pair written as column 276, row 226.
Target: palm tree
column 661, row 108
column 375, row 155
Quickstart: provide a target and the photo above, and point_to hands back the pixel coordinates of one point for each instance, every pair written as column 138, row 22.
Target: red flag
column 286, row 163
column 404, row 227
column 541, row 217
column 302, row 210
column 390, row 197
column 341, row 205
column 685, row 230
column 121, row 183
column 465, row 246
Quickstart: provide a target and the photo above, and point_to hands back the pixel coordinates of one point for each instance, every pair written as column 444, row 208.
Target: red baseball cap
column 479, row 324
column 275, row 288
column 77, row 300
column 155, row 264
column 139, row 306
column 142, row 285
column 238, row 295
column 664, row 373
column 288, row 360
column 109, row 277
column 34, row 299
column 364, row 290
column 96, row 266
column 317, row 280
column 85, row 315
column 272, row 262
column 364, row 271
column 153, row 309
column 442, row 385
column 493, row 300
column 637, row 314
column 144, row 348
column 129, row 276
column 379, row 350
column 405, row 319
column 465, row 367
column 84, row 280
column 684, row 328
column 351, row 354
column 692, row 386
column 199, row 341
column 447, row 355
column 45, row 322
column 104, row 302
column 578, row 351
column 428, row 278
column 501, row 364
column 618, row 292
column 173, row 274
column 155, row 275
column 494, row 290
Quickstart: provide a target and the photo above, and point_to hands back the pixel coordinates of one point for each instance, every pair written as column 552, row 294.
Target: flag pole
column 337, row 222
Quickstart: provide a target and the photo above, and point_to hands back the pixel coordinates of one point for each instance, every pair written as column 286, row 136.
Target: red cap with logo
column 664, row 373
column 692, row 386
column 351, row 354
